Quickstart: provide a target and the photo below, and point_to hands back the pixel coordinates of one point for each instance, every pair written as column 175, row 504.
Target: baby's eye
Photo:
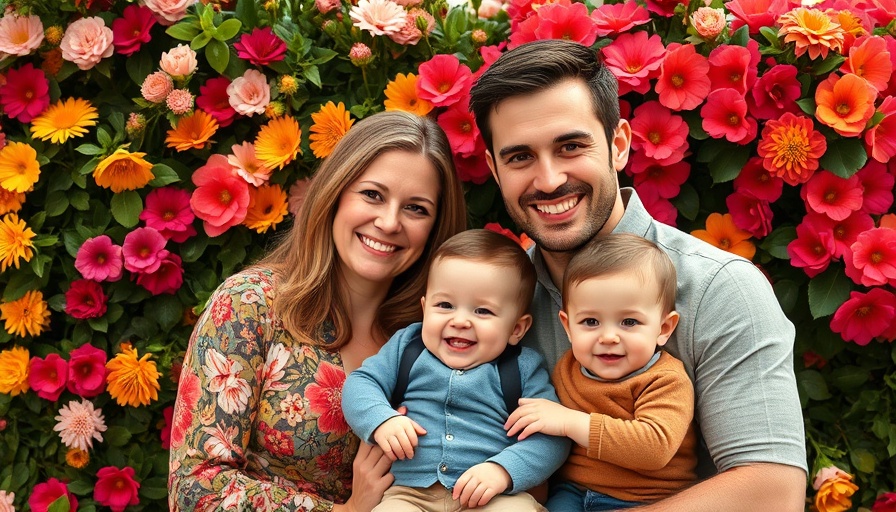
column 443, row 305
column 630, row 322
column 590, row 322
column 483, row 311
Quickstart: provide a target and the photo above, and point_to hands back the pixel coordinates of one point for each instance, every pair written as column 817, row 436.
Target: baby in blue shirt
column 451, row 450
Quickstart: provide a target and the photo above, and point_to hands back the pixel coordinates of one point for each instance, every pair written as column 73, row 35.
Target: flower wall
column 151, row 149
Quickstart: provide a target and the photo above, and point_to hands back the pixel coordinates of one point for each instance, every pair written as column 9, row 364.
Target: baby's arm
column 397, row 436
column 479, row 484
column 540, row 415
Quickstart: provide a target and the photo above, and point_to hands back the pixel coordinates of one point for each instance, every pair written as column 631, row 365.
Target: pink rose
column 179, row 62
column 156, row 87
column 325, row 6
column 709, row 22
column 169, row 12
column 249, row 94
column 86, row 42
column 489, row 8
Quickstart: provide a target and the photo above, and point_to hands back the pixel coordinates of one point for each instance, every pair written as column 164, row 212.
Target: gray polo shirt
column 734, row 340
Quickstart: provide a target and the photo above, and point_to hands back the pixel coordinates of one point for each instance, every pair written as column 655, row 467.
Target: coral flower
column 123, row 170
column 87, row 371
column 811, row 30
column 156, row 87
column 331, row 123
column 666, row 179
column 10, row 202
column 725, row 115
column 750, row 213
column 297, row 193
column 557, row 21
column 99, row 259
column 192, row 131
column 267, row 207
column 132, row 381
column 775, row 93
column 832, row 195
column 378, row 17
column 63, row 120
column 401, row 94
column 14, row 370
column 684, row 78
column 618, row 18
column 48, row 492
column 143, row 250
column 85, row 299
column 47, row 376
column 27, row 315
column 755, row 14
column 250, row 93
column 19, row 169
column 167, row 279
column 721, row 232
column 845, row 103
column 869, row 59
column 459, row 125
column 116, row 488
column 863, row 317
column 247, row 165
column 877, row 188
column 813, row 248
column 168, row 212
column 880, row 140
column 886, row 502
column 214, row 100
column 15, row 242
column 734, row 67
column 20, row 35
column 873, row 258
column 634, row 59
column 79, row 423
column 790, row 148
column 131, row 30
column 221, row 197
column 25, row 94
column 325, row 398
column 758, row 182
column 658, row 133
column 443, row 80
column 277, row 143
column 260, row 47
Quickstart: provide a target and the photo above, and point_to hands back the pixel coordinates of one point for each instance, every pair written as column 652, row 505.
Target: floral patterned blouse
column 258, row 423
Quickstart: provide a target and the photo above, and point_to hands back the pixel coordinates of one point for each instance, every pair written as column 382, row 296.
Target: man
column 549, row 114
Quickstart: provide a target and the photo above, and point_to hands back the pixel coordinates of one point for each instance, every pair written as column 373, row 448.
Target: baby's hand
column 479, row 484
column 397, row 436
column 539, row 415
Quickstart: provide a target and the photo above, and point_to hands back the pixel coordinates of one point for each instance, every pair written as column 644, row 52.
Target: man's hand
column 539, row 415
column 479, row 484
column 397, row 436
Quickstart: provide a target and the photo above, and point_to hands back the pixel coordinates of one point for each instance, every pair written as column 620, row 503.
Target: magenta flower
column 132, row 30
column 665, row 179
column 871, row 260
column 87, row 371
column 665, row 8
column 684, row 78
column 167, row 279
column 165, row 434
column 85, row 299
column 827, row 193
column 750, row 213
column 813, row 248
column 734, row 67
column 443, row 80
column 865, row 316
column 658, row 133
column 844, row 232
column 658, row 207
column 26, row 93
column 618, row 18
column 214, row 100
column 725, row 115
column 116, row 488
column 460, row 127
column 634, row 60
column 47, row 376
column 557, row 21
column 758, row 182
column 99, row 259
column 473, row 168
column 775, row 93
column 880, row 141
column 47, row 492
column 144, row 250
column 877, row 188
column 221, row 198
column 168, row 212
column 260, row 47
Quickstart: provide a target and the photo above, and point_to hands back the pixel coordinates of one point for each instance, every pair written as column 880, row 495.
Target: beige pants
column 436, row 498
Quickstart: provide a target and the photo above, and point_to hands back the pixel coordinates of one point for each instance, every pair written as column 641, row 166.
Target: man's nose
column 550, row 176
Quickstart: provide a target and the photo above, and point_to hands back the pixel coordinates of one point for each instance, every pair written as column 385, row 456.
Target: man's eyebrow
column 578, row 134
column 513, row 149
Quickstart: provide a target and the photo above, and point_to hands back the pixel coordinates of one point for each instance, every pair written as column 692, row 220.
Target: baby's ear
column 667, row 327
column 564, row 321
column 520, row 328
column 423, row 302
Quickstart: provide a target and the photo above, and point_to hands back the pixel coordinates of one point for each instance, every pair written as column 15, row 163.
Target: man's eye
column 571, row 147
column 519, row 157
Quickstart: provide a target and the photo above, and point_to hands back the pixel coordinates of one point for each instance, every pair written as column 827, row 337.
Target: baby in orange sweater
column 627, row 405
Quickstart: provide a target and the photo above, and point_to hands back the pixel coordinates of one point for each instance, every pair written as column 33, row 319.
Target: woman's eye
column 372, row 194
column 416, row 208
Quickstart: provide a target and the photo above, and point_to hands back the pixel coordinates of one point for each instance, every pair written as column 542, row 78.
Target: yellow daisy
column 331, row 123
column 19, row 169
column 15, row 242
column 28, row 315
column 267, row 207
column 132, row 381
column 277, row 144
column 67, row 118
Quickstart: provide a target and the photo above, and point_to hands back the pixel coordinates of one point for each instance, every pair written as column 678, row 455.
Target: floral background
column 151, row 149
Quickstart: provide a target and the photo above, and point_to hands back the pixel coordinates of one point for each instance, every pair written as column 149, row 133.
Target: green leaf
column 741, row 36
column 60, row 504
column 246, row 12
column 813, row 384
column 80, row 487
column 167, row 310
column 103, row 137
column 57, row 203
column 117, row 436
column 862, row 460
column 724, row 158
column 849, row 378
column 312, row 74
column 217, row 55
column 126, row 208
column 807, row 105
column 89, row 149
column 183, row 31
column 201, row 39
column 228, row 29
column 829, row 64
column 79, row 199
column 139, row 66
column 687, row 201
column 777, row 241
column 100, row 324
column 163, row 175
column 827, row 291
column 844, row 156
column 787, row 292
column 770, row 35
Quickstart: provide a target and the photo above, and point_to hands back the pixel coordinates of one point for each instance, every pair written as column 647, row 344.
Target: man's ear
column 564, row 320
column 520, row 328
column 492, row 166
column 621, row 143
column 667, row 327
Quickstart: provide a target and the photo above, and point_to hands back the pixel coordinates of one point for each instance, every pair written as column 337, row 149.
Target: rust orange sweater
column 642, row 444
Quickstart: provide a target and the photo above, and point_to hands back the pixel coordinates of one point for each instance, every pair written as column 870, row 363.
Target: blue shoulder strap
column 408, row 357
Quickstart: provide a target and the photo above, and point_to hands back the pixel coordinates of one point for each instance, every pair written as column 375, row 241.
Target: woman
column 257, row 423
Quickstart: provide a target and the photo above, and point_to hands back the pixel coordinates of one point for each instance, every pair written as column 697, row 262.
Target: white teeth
column 377, row 246
column 554, row 209
column 460, row 343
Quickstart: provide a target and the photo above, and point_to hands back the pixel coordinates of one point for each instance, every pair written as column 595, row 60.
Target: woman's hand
column 370, row 479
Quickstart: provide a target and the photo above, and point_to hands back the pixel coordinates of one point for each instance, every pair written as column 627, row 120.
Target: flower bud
column 287, row 84
column 360, row 55
column 479, row 37
column 135, row 125
column 275, row 109
column 53, row 35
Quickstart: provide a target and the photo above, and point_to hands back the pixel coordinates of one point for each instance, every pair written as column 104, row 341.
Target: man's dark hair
column 538, row 65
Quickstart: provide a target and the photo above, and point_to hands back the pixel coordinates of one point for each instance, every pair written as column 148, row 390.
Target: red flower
column 116, row 488
column 891, row 48
column 132, row 30
column 556, row 21
column 460, row 127
column 790, row 148
column 832, row 195
column 188, row 392
column 813, row 248
column 443, row 80
column 25, row 95
column 214, row 100
column 886, row 502
column 47, row 492
column 880, row 141
column 872, row 259
column 750, row 213
column 48, row 376
column 665, row 8
column 811, row 359
column 276, row 441
column 167, row 279
column 618, row 18
column 865, row 316
column 665, row 179
column 775, row 93
column 260, row 47
column 755, row 14
column 755, row 180
column 473, row 168
column 845, row 232
column 165, row 433
column 221, row 198
column 634, row 60
column 85, row 299
column 168, row 212
column 734, row 67
column 87, row 371
column 684, row 78
column 877, row 188
column 658, row 207
column 325, row 398
column 658, row 133
column 524, row 241
column 725, row 115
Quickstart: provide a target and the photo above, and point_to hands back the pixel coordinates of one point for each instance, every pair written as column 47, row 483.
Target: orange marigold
column 812, row 31
column 10, row 202
column 790, row 148
column 28, row 315
column 277, row 143
column 721, row 232
column 192, row 131
column 331, row 123
column 123, row 170
column 845, row 103
column 267, row 207
column 401, row 94
column 850, row 23
column 132, row 381
column 14, row 370
column 77, row 458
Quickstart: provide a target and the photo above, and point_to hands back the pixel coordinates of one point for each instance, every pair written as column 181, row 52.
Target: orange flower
column 401, row 94
column 123, row 170
column 192, row 131
column 888, row 221
column 790, row 148
column 850, row 23
column 277, row 144
column 870, row 60
column 721, row 232
column 10, row 202
column 812, row 30
column 76, row 458
column 331, row 123
column 14, row 370
column 132, row 381
column 845, row 103
column 267, row 206
column 835, row 491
